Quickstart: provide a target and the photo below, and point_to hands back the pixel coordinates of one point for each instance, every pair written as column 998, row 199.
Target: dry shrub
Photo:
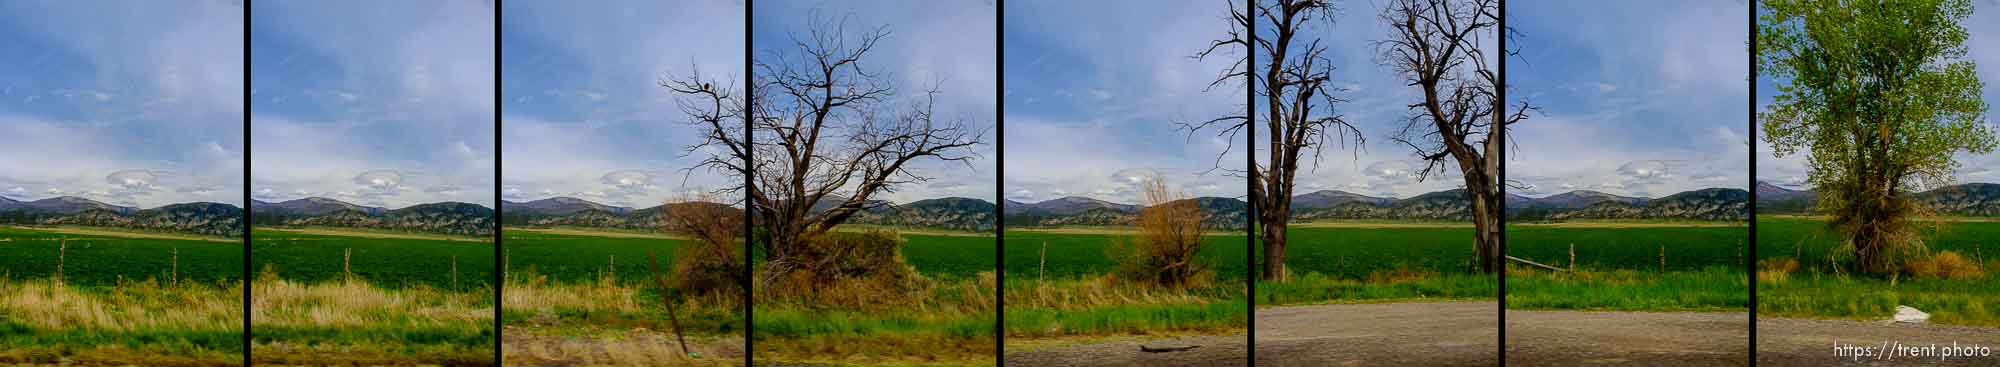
column 1944, row 265
column 1776, row 270
column 1170, row 235
column 711, row 264
column 862, row 270
column 1400, row 274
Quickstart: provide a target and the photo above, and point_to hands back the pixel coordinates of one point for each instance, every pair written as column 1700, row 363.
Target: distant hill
column 1706, row 204
column 206, row 219
column 962, row 214
column 1971, row 200
column 1228, row 213
column 1441, row 205
column 1780, row 200
column 452, row 218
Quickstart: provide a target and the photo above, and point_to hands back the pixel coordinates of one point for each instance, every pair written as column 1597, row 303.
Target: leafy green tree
column 1879, row 95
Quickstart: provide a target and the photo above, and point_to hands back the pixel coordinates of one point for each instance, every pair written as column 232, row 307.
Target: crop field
column 567, row 258
column 383, row 262
column 103, row 260
column 118, row 303
column 401, row 307
column 1354, row 253
column 1636, row 248
column 1072, row 255
column 1618, row 267
column 1819, row 290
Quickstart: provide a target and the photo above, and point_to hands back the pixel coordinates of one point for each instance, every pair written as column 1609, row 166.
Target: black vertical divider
column 1500, row 106
column 246, row 183
column 1750, row 263
column 999, row 188
column 499, row 256
column 749, row 184
column 1250, row 183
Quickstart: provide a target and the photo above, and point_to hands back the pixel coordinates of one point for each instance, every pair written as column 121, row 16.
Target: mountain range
column 1704, row 204
column 1224, row 213
column 946, row 213
column 206, row 219
column 1972, row 199
column 452, row 218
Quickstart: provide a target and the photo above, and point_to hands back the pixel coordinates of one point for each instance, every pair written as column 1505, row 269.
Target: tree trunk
column 1274, row 247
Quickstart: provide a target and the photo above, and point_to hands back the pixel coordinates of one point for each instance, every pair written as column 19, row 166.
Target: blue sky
column 584, row 114
column 130, row 103
column 1639, row 98
column 949, row 43
column 1094, row 89
column 384, row 103
column 1983, row 49
column 1377, row 106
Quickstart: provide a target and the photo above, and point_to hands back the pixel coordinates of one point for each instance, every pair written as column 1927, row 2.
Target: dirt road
column 1386, row 334
column 1210, row 350
column 1597, row 338
column 1797, row 342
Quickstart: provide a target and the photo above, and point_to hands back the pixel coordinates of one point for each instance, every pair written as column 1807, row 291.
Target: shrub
column 1944, row 265
column 1170, row 234
column 1776, row 270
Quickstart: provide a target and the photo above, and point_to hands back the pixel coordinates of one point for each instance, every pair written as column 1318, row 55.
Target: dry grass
column 1400, row 274
column 134, row 307
column 1097, row 292
column 1776, row 270
column 638, row 348
column 279, row 302
column 1944, row 265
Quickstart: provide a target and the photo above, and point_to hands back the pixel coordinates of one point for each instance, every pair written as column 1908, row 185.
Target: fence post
column 176, row 275
column 1043, row 266
column 1663, row 259
column 1572, row 258
column 62, row 255
column 454, row 273
column 346, row 264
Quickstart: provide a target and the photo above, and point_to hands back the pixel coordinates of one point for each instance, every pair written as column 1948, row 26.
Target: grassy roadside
column 140, row 323
column 1317, row 288
column 946, row 322
column 1714, row 289
column 353, row 322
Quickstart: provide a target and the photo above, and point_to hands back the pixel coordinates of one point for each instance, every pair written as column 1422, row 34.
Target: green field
column 1620, row 267
column 1366, row 264
column 96, row 260
column 1821, row 290
column 118, row 303
column 1354, row 253
column 401, row 307
column 944, row 317
column 1636, row 248
column 384, row 262
column 1078, row 255
column 1809, row 240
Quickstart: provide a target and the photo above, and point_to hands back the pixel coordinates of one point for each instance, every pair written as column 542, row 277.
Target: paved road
column 1596, row 338
column 1796, row 342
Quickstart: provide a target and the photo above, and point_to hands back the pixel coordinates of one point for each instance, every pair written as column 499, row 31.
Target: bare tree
column 830, row 135
column 1298, row 108
column 1439, row 47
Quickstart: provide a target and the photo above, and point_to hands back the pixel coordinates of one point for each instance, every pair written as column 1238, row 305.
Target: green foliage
column 1881, row 95
column 101, row 261
column 1312, row 287
column 386, row 262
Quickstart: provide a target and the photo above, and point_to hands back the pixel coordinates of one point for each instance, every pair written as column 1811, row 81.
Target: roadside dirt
column 635, row 347
column 1210, row 350
column 1381, row 334
column 1803, row 342
column 1597, row 338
